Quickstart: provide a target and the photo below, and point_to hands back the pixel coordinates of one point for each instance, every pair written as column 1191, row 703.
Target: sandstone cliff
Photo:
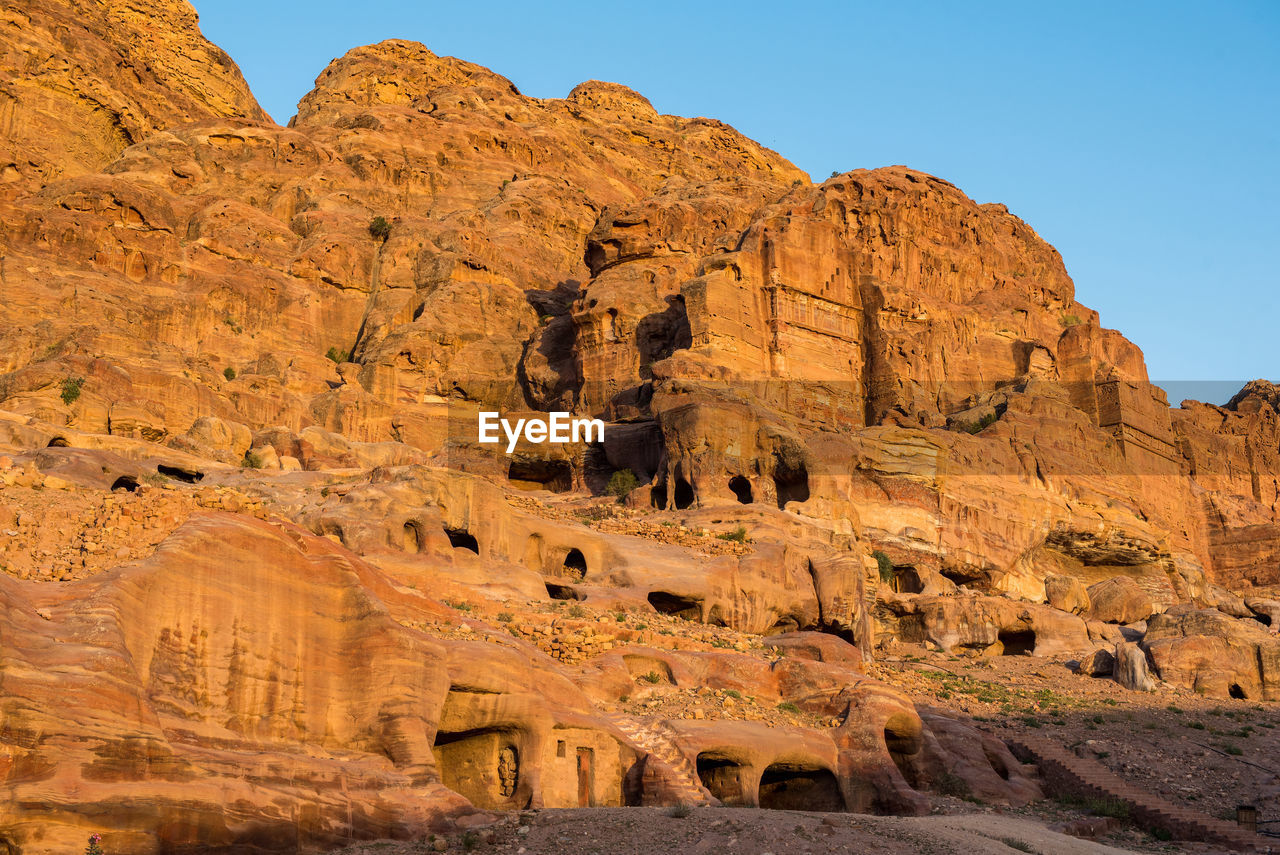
column 263, row 589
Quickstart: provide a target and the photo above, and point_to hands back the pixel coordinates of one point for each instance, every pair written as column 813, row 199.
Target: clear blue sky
column 1141, row 139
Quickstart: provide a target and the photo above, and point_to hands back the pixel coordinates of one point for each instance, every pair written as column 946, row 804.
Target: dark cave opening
column 460, row 538
column 685, row 608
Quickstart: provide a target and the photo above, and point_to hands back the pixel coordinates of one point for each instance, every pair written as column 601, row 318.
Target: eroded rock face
column 863, row 410
column 84, row 81
column 1219, row 655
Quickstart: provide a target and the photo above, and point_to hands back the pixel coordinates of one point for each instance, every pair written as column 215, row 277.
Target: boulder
column 1215, row 654
column 1131, row 669
column 1119, row 600
column 1099, row 663
column 1066, row 593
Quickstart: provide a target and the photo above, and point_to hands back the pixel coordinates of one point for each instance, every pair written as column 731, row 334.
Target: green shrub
column 787, row 706
column 380, row 229
column 71, row 387
column 234, row 324
column 982, row 424
column 252, row 460
column 1015, row 843
column 885, row 565
column 1070, row 320
column 738, row 535
column 506, row 617
column 680, row 811
column 338, row 356
column 229, row 373
column 653, row 677
column 621, row 483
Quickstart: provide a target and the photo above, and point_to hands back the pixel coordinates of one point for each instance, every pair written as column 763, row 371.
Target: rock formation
column 264, row 589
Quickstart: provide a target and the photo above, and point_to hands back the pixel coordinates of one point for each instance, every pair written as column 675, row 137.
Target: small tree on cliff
column 94, row 847
column 380, row 229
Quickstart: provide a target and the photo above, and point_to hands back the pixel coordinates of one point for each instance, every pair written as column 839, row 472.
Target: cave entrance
column 906, row 580
column 741, row 488
column 658, row 498
column 411, row 537
column 460, row 538
column 58, row 442
column 562, row 592
column 684, row 494
column 538, row 474
column 1237, row 692
column 575, row 565
column 723, row 778
column 675, row 605
column 125, row 482
column 188, row 476
column 791, row 481
column 482, row 765
column 796, row 787
column 1018, row 642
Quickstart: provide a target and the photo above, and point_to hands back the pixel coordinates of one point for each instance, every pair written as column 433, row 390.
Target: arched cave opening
column 1237, row 692
column 658, row 497
column 1017, row 641
column 481, row 765
column 575, row 565
column 684, row 494
column 996, row 762
column 58, row 442
column 460, row 538
column 741, row 488
column 790, row 787
column 411, row 537
column 125, row 482
column 675, row 605
column 723, row 778
column 906, row 580
column 178, row 473
column 791, row 481
column 557, row 591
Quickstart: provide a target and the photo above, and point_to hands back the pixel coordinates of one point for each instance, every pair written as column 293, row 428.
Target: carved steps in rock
column 656, row 738
column 1066, row 773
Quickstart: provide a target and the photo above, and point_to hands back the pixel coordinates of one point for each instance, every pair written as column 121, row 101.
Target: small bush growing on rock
column 787, row 706
column 653, row 677
column 229, row 373
column 885, row 565
column 337, row 355
column 680, row 811
column 621, row 483
column 71, row 387
column 234, row 324
column 981, row 424
column 1070, row 320
column 738, row 535
column 506, row 617
column 951, row 784
column 95, row 845
column 252, row 460
column 380, row 229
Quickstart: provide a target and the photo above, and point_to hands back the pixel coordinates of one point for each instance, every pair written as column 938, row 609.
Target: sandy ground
column 742, row 831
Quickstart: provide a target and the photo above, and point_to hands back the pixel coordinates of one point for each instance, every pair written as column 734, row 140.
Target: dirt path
column 743, row 831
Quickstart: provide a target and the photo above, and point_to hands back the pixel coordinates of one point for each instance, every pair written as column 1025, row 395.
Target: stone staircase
column 655, row 737
column 1064, row 773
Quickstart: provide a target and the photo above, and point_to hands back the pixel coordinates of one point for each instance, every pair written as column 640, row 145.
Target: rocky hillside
column 263, row 589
